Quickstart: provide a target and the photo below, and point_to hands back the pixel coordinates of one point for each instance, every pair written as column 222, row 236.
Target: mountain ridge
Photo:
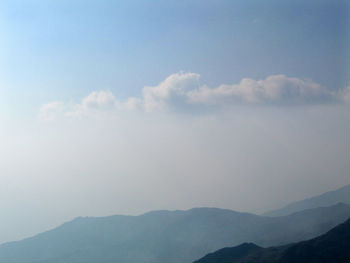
column 329, row 198
column 158, row 236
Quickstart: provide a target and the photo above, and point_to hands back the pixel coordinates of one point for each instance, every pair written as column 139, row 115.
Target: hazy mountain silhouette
column 165, row 236
column 332, row 247
column 341, row 195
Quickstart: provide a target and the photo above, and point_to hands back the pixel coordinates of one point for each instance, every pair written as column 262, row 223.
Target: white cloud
column 276, row 89
column 183, row 92
column 344, row 95
column 131, row 103
column 171, row 92
column 99, row 100
column 50, row 111
column 96, row 101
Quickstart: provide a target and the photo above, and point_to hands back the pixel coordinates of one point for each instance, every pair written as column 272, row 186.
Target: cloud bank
column 183, row 91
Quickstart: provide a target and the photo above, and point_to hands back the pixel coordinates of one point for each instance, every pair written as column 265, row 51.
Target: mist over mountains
column 167, row 236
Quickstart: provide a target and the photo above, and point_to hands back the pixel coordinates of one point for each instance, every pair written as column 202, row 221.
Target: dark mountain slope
column 159, row 236
column 332, row 247
column 234, row 254
column 341, row 195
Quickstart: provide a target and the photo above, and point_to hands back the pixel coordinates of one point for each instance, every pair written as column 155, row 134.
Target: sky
column 122, row 107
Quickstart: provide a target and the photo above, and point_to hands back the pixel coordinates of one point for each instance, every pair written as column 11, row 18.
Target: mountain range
column 332, row 247
column 167, row 236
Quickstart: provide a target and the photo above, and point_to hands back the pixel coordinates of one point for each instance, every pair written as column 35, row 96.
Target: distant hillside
column 164, row 236
column 332, row 247
column 341, row 195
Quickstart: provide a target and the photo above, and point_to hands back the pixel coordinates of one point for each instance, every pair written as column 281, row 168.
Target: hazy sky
column 121, row 107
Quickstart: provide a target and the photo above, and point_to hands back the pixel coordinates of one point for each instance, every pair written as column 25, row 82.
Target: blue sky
column 53, row 50
column 121, row 107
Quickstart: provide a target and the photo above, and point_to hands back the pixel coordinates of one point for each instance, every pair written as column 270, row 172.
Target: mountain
column 341, row 195
column 167, row 236
column 332, row 247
